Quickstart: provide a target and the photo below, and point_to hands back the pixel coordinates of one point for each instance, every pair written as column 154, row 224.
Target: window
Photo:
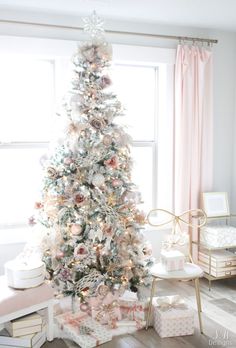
column 29, row 85
column 26, row 108
column 136, row 87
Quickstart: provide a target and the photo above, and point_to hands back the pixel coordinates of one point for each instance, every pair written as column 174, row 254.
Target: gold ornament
column 111, row 199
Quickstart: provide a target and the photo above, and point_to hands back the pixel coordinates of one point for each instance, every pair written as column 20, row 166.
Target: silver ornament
column 98, row 180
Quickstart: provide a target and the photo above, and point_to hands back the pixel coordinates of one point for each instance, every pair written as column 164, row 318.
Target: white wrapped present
column 172, row 260
column 172, row 317
column 82, row 329
column 24, row 273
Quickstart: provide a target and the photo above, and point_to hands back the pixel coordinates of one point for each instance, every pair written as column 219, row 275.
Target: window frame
column 160, row 58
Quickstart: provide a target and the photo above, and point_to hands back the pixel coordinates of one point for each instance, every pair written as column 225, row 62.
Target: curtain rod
column 160, row 36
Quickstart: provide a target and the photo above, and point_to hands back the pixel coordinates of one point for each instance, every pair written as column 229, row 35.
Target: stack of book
column 28, row 331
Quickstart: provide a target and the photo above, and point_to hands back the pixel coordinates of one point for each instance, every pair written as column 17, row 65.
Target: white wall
column 223, row 99
column 224, row 112
column 9, row 252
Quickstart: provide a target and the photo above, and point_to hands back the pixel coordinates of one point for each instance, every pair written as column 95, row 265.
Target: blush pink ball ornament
column 116, row 182
column 75, row 229
column 59, row 255
column 67, row 160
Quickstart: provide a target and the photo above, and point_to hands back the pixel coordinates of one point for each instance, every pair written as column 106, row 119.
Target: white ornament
column 98, row 180
column 90, row 281
column 93, row 25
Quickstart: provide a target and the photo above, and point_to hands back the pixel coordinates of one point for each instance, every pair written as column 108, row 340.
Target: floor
column 219, row 320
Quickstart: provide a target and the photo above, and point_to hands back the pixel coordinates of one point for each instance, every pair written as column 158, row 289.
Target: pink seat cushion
column 12, row 300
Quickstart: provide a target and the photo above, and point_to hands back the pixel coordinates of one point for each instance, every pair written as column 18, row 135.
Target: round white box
column 22, row 274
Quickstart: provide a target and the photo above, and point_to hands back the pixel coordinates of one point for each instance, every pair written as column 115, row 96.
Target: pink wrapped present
column 172, row 317
column 82, row 329
column 172, row 260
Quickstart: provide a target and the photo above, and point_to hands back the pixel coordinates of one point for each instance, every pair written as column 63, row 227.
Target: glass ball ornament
column 98, row 180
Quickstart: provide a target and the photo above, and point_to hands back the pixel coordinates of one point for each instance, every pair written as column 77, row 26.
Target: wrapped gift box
column 83, row 330
column 132, row 308
column 172, row 317
column 23, row 274
column 172, row 260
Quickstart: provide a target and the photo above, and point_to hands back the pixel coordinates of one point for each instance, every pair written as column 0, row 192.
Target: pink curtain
column 193, row 128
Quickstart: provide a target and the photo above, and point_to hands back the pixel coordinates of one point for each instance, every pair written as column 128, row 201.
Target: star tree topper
column 93, row 25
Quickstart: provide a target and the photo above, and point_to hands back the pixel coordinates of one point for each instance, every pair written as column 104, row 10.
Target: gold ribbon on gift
column 167, row 303
column 107, row 310
column 197, row 219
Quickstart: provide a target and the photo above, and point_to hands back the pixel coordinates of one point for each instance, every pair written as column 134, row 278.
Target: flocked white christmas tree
column 89, row 203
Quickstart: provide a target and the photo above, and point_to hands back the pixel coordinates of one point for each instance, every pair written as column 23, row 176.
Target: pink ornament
column 84, row 307
column 112, row 162
column 80, row 251
column 105, row 81
column 75, row 229
column 32, row 221
column 117, row 182
column 38, row 205
column 65, row 274
column 59, row 255
column 68, row 160
column 79, row 198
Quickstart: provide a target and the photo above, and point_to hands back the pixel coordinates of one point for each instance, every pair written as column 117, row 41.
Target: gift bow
column 130, row 312
column 133, row 309
column 107, row 309
column 166, row 303
column 76, row 323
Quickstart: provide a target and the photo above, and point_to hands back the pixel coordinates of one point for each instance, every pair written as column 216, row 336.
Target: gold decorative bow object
column 166, row 303
column 194, row 218
column 197, row 214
